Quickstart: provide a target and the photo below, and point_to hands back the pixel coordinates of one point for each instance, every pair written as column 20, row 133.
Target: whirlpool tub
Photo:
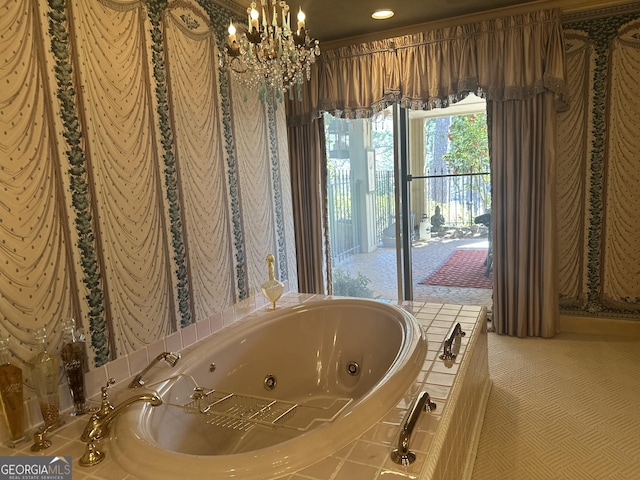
column 273, row 393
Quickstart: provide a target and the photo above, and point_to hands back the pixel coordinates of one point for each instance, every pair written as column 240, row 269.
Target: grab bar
column 402, row 455
column 454, row 331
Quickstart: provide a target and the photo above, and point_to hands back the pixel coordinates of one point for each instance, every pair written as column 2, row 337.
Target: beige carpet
column 562, row 408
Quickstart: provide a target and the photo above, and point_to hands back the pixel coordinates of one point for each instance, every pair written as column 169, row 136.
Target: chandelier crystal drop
column 268, row 55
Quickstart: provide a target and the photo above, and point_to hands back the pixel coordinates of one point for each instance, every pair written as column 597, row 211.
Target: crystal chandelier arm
column 270, row 56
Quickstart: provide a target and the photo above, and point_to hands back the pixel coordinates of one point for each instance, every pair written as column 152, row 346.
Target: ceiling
column 331, row 20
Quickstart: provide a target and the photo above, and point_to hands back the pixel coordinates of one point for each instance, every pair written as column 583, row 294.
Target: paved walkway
column 379, row 267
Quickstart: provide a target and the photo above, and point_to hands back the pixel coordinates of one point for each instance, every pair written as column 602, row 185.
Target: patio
column 379, row 267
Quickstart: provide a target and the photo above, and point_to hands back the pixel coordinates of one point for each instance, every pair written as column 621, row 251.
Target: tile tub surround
column 445, row 440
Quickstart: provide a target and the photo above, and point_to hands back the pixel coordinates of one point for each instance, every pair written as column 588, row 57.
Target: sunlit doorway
column 450, row 194
column 432, row 165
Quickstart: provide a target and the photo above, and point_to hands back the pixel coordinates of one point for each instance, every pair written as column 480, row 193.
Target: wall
column 142, row 190
column 598, row 179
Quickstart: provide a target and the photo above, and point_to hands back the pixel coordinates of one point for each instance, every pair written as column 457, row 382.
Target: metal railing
column 460, row 197
column 385, row 202
column 343, row 197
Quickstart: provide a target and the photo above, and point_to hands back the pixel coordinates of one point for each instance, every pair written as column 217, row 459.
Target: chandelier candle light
column 270, row 56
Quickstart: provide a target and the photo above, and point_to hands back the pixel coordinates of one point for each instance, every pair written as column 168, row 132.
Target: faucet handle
column 104, row 389
column 39, row 441
column 98, row 413
column 105, row 406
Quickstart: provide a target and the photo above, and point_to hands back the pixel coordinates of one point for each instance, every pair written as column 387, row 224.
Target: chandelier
column 270, row 56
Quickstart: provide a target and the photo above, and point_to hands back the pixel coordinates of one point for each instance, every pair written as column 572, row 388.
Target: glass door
column 362, row 204
column 449, row 193
column 401, row 200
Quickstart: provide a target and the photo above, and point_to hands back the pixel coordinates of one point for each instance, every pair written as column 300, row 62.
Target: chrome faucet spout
column 169, row 357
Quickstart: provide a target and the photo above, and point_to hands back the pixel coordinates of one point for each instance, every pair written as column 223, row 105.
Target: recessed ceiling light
column 382, row 14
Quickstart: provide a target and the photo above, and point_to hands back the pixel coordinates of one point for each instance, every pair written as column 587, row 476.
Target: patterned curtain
column 124, row 163
column 37, row 270
column 598, row 201
column 621, row 253
column 197, row 123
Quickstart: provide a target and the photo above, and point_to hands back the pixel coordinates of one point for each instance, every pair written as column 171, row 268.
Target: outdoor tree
column 469, row 153
column 468, row 144
column 382, row 140
column 436, row 146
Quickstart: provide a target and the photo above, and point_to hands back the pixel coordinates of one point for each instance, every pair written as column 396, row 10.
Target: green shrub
column 345, row 285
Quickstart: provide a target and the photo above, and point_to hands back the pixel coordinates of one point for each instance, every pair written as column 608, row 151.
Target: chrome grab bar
column 454, row 331
column 402, row 455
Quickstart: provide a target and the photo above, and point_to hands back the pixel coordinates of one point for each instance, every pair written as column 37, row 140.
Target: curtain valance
column 513, row 57
column 359, row 80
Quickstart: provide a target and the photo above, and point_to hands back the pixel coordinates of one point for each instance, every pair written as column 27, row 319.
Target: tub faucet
column 98, row 425
column 169, row 357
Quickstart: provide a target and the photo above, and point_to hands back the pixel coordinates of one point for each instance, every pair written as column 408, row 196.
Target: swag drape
column 517, row 63
column 305, row 134
column 309, row 191
column 523, row 174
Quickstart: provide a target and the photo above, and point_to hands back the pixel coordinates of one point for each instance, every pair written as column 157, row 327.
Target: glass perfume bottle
column 44, row 368
column 11, row 394
column 73, row 361
column 272, row 289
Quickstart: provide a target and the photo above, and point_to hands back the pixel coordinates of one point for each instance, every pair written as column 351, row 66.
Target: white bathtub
column 344, row 362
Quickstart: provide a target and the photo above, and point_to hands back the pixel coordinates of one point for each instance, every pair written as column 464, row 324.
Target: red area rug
column 463, row 268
